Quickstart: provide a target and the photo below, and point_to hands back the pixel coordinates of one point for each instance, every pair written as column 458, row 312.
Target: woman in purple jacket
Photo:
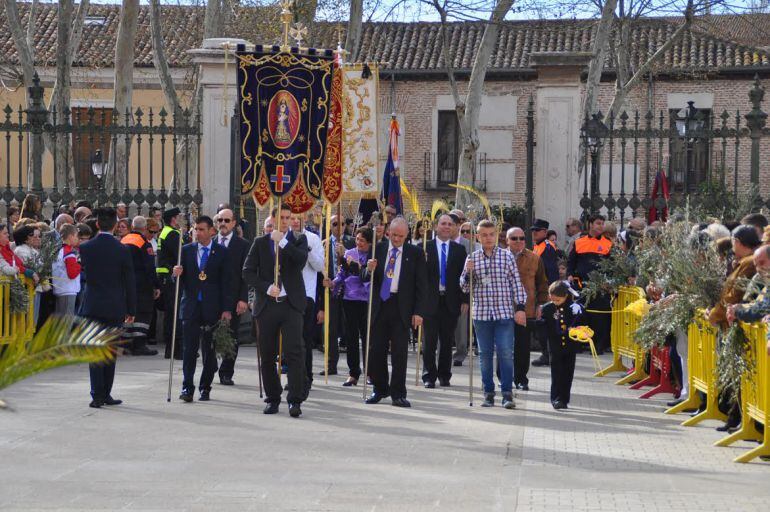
column 355, row 297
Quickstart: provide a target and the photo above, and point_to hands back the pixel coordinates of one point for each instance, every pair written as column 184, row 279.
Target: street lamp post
column 688, row 123
column 97, row 168
column 594, row 133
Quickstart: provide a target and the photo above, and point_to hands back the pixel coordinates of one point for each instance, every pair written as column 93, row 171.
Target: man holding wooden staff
column 279, row 308
column 399, row 298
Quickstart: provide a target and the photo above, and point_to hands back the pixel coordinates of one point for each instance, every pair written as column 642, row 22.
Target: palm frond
column 438, row 205
column 60, row 341
column 411, row 198
column 476, row 193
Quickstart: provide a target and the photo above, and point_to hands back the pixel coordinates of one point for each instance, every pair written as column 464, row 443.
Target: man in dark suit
column 109, row 295
column 445, row 261
column 399, row 300
column 279, row 308
column 237, row 249
column 206, row 298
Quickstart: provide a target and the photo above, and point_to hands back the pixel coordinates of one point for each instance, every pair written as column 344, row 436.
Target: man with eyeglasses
column 535, row 282
column 573, row 230
column 237, row 250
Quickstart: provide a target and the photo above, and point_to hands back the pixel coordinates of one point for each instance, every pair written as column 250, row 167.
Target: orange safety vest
column 137, row 241
column 539, row 249
column 591, row 245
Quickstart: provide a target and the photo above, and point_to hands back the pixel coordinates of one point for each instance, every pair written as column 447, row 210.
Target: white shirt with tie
column 224, row 240
column 396, row 267
column 439, row 248
column 200, row 252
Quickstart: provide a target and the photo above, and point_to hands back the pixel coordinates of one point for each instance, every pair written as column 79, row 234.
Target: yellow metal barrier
column 13, row 325
column 755, row 397
column 621, row 336
column 701, row 369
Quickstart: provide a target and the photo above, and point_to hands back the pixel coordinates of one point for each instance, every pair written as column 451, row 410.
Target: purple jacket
column 348, row 276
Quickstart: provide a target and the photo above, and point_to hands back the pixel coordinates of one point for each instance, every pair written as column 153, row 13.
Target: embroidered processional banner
column 360, row 177
column 284, row 102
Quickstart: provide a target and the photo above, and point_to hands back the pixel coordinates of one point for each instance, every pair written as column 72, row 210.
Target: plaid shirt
column 497, row 288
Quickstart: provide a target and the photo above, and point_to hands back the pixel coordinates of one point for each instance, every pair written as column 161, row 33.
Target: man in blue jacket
column 109, row 296
column 206, row 298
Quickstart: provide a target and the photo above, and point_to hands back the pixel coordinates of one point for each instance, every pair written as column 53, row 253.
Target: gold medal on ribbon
column 202, row 276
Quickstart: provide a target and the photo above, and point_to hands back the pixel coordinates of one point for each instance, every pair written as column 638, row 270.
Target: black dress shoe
column 523, row 387
column 729, row 426
column 322, row 373
column 400, row 402
column 271, row 408
column 559, row 405
column 541, row 362
column 186, row 396
column 111, row 401
column 205, row 396
column 143, row 351
column 350, row 382
column 375, row 398
column 429, row 385
column 457, row 363
column 444, row 383
column 226, row 381
column 674, row 403
column 96, row 404
column 295, row 411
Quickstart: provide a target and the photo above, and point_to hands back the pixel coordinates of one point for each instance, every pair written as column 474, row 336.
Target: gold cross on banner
column 286, row 19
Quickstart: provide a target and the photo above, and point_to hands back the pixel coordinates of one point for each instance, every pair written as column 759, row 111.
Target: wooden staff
column 327, row 298
column 470, row 316
column 276, row 273
column 375, row 223
column 176, row 312
column 425, row 222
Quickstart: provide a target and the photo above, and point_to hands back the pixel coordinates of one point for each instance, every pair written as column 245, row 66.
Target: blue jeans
column 495, row 335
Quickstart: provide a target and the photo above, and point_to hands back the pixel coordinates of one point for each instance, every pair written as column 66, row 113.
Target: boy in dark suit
column 109, row 295
column 206, row 299
column 279, row 308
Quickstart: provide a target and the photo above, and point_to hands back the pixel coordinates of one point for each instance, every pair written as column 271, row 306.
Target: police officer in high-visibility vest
column 586, row 254
column 168, row 253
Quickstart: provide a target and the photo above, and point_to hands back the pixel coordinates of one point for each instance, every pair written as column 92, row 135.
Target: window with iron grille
column 92, row 137
column 690, row 154
column 448, row 149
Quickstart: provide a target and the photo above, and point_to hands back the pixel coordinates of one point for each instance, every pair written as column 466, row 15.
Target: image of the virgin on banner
column 284, row 100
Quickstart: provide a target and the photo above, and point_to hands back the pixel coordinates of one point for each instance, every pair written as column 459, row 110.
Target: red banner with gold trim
column 332, row 176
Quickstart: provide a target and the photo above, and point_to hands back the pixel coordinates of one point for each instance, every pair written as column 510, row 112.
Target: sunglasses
column 516, row 238
column 465, row 231
column 226, row 221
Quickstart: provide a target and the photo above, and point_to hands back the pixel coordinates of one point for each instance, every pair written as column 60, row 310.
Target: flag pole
column 470, row 317
column 327, row 299
column 425, row 222
column 375, row 221
column 176, row 312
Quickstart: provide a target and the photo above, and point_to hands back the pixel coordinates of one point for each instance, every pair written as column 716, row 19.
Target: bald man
column 398, row 304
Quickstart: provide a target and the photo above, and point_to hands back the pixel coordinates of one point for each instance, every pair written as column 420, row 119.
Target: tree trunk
column 124, row 88
column 159, row 58
column 23, row 50
column 353, row 37
column 598, row 56
column 469, row 122
column 304, row 11
column 62, row 87
column 32, row 26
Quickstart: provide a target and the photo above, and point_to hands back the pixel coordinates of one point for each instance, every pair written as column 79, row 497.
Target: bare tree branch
column 20, row 41
column 32, row 26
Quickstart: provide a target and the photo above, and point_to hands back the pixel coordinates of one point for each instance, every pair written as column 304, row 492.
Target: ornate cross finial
column 286, row 19
column 298, row 33
column 339, row 34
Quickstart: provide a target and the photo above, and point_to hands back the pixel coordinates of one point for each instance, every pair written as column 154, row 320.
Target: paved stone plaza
column 609, row 451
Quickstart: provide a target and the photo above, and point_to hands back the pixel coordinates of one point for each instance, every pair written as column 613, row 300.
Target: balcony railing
column 440, row 175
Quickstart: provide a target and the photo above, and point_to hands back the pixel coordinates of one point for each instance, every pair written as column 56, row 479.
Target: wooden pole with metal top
column 470, row 317
column 327, row 294
column 175, row 320
column 375, row 224
column 425, row 222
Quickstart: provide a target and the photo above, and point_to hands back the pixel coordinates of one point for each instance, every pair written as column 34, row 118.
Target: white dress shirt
column 225, row 240
column 314, row 265
column 396, row 267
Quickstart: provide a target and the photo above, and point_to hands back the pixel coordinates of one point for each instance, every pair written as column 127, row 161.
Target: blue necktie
column 443, row 265
column 202, row 267
column 387, row 277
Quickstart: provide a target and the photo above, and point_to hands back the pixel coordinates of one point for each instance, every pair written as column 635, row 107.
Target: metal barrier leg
column 638, row 373
column 692, row 402
column 760, row 451
column 747, row 432
column 712, row 412
column 616, row 366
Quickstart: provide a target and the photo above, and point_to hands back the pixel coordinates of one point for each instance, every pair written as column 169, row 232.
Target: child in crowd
column 559, row 315
column 66, row 271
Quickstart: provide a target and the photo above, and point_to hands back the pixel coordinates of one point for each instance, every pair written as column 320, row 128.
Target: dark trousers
column 227, row 368
column 169, row 290
column 389, row 330
column 439, row 331
column 542, row 338
column 102, row 375
column 521, row 348
column 197, row 334
column 355, row 330
column 601, row 323
column 308, row 333
column 335, row 322
column 562, row 372
column 275, row 318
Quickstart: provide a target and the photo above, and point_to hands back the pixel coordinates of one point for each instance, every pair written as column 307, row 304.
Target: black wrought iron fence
column 440, row 170
column 79, row 154
column 632, row 161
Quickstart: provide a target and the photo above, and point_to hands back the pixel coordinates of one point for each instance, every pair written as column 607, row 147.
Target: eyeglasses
column 226, row 221
column 516, row 238
column 465, row 231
